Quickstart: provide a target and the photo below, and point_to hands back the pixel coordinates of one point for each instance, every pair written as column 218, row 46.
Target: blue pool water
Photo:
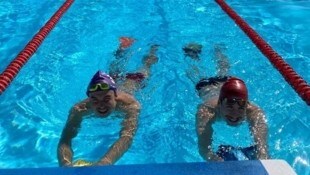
column 34, row 108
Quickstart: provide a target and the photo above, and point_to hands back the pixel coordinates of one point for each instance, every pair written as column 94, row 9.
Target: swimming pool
column 35, row 106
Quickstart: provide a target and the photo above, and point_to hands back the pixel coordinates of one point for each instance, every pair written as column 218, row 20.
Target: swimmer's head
column 234, row 88
column 101, row 82
column 233, row 101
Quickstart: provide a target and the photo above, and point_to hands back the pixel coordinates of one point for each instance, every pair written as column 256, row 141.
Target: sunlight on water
column 35, row 107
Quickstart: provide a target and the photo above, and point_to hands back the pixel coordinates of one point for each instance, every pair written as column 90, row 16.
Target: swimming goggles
column 232, row 101
column 99, row 86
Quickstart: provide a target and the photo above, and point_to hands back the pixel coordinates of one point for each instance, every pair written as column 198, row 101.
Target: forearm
column 64, row 154
column 261, row 142
column 205, row 149
column 262, row 152
column 204, row 121
column 116, row 151
column 129, row 127
column 260, row 130
column 64, row 150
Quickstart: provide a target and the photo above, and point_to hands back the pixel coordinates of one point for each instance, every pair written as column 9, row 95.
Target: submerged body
column 225, row 98
column 105, row 98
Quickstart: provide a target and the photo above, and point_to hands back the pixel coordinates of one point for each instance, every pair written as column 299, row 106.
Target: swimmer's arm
column 204, row 120
column 129, row 127
column 64, row 150
column 259, row 130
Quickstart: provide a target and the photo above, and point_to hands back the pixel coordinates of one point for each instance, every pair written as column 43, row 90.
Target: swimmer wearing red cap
column 226, row 98
column 107, row 95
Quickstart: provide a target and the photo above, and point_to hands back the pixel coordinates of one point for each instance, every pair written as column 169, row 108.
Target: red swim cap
column 234, row 88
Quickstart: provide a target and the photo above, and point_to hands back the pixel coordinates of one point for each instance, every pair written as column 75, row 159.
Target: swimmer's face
column 103, row 102
column 233, row 111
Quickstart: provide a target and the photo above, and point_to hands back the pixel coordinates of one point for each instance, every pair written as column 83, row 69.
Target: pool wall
column 264, row 167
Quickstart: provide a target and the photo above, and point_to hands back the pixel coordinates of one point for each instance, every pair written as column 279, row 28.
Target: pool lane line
column 21, row 59
column 296, row 81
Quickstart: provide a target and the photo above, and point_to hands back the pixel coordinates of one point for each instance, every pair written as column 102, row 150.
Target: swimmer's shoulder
column 124, row 98
column 254, row 111
column 211, row 102
column 209, row 105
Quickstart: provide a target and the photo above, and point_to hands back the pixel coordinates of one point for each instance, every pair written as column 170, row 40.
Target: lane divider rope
column 21, row 59
column 296, row 81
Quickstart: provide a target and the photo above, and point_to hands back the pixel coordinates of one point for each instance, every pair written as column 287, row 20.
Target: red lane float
column 297, row 82
column 20, row 60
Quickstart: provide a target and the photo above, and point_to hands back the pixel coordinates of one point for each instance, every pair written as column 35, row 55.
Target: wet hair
column 234, row 88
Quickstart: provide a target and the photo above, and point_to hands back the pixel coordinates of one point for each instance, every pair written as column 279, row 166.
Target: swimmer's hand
column 80, row 108
column 80, row 163
column 217, row 158
column 214, row 157
column 68, row 165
